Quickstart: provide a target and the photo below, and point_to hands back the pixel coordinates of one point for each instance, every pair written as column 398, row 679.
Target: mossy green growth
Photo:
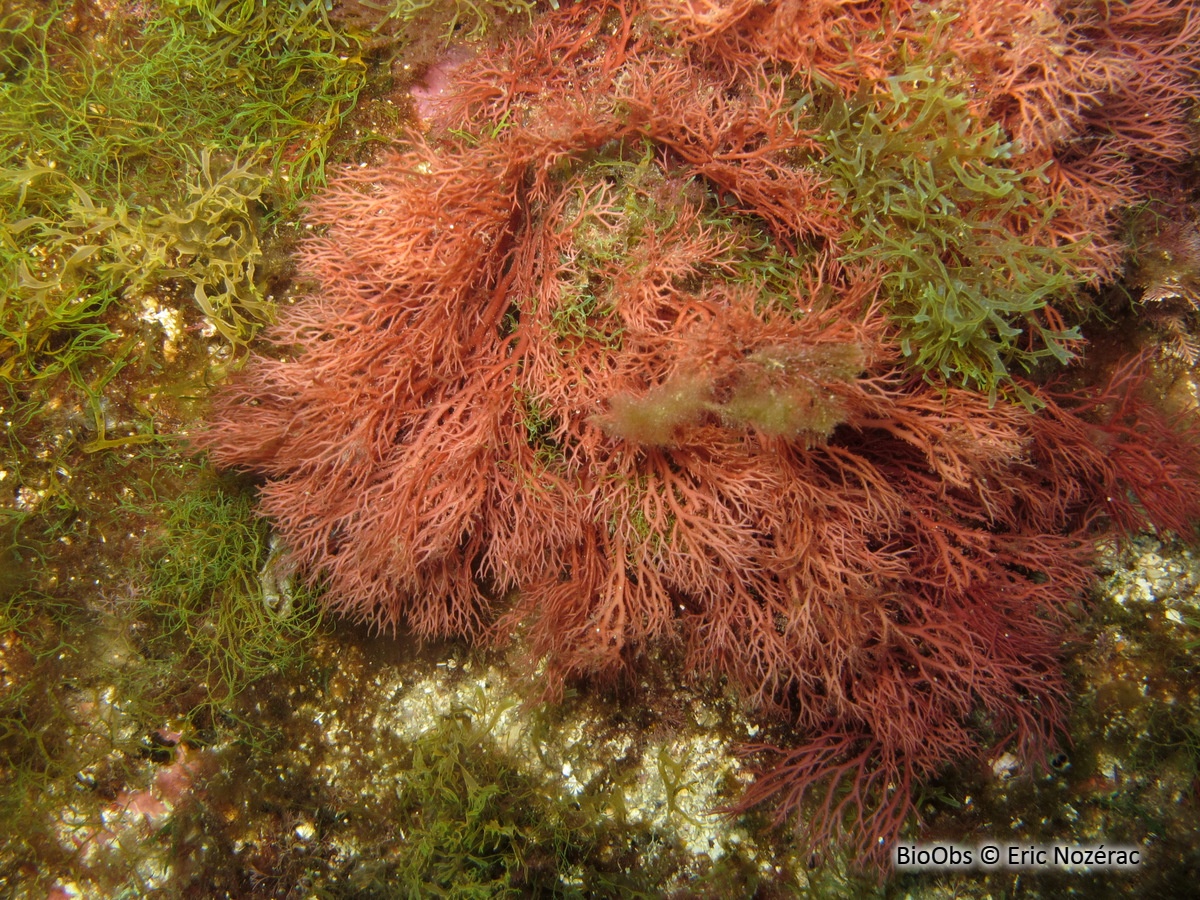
column 144, row 149
column 139, row 150
column 787, row 392
column 126, row 110
column 780, row 391
column 543, row 432
column 225, row 610
column 41, row 743
column 451, row 19
column 655, row 417
column 933, row 197
column 476, row 826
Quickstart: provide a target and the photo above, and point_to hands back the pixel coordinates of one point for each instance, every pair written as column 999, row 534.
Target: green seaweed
column 206, row 591
column 142, row 149
column 933, row 196
column 209, row 236
column 778, row 391
column 476, row 826
column 137, row 152
column 203, row 73
column 469, row 20
column 477, row 823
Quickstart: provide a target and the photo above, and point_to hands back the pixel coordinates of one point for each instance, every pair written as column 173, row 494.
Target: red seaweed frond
column 582, row 366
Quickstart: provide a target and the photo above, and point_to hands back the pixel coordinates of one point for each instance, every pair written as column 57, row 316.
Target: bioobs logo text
column 934, row 856
column 1015, row 856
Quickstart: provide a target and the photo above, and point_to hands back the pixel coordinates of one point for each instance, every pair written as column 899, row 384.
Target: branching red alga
column 587, row 366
